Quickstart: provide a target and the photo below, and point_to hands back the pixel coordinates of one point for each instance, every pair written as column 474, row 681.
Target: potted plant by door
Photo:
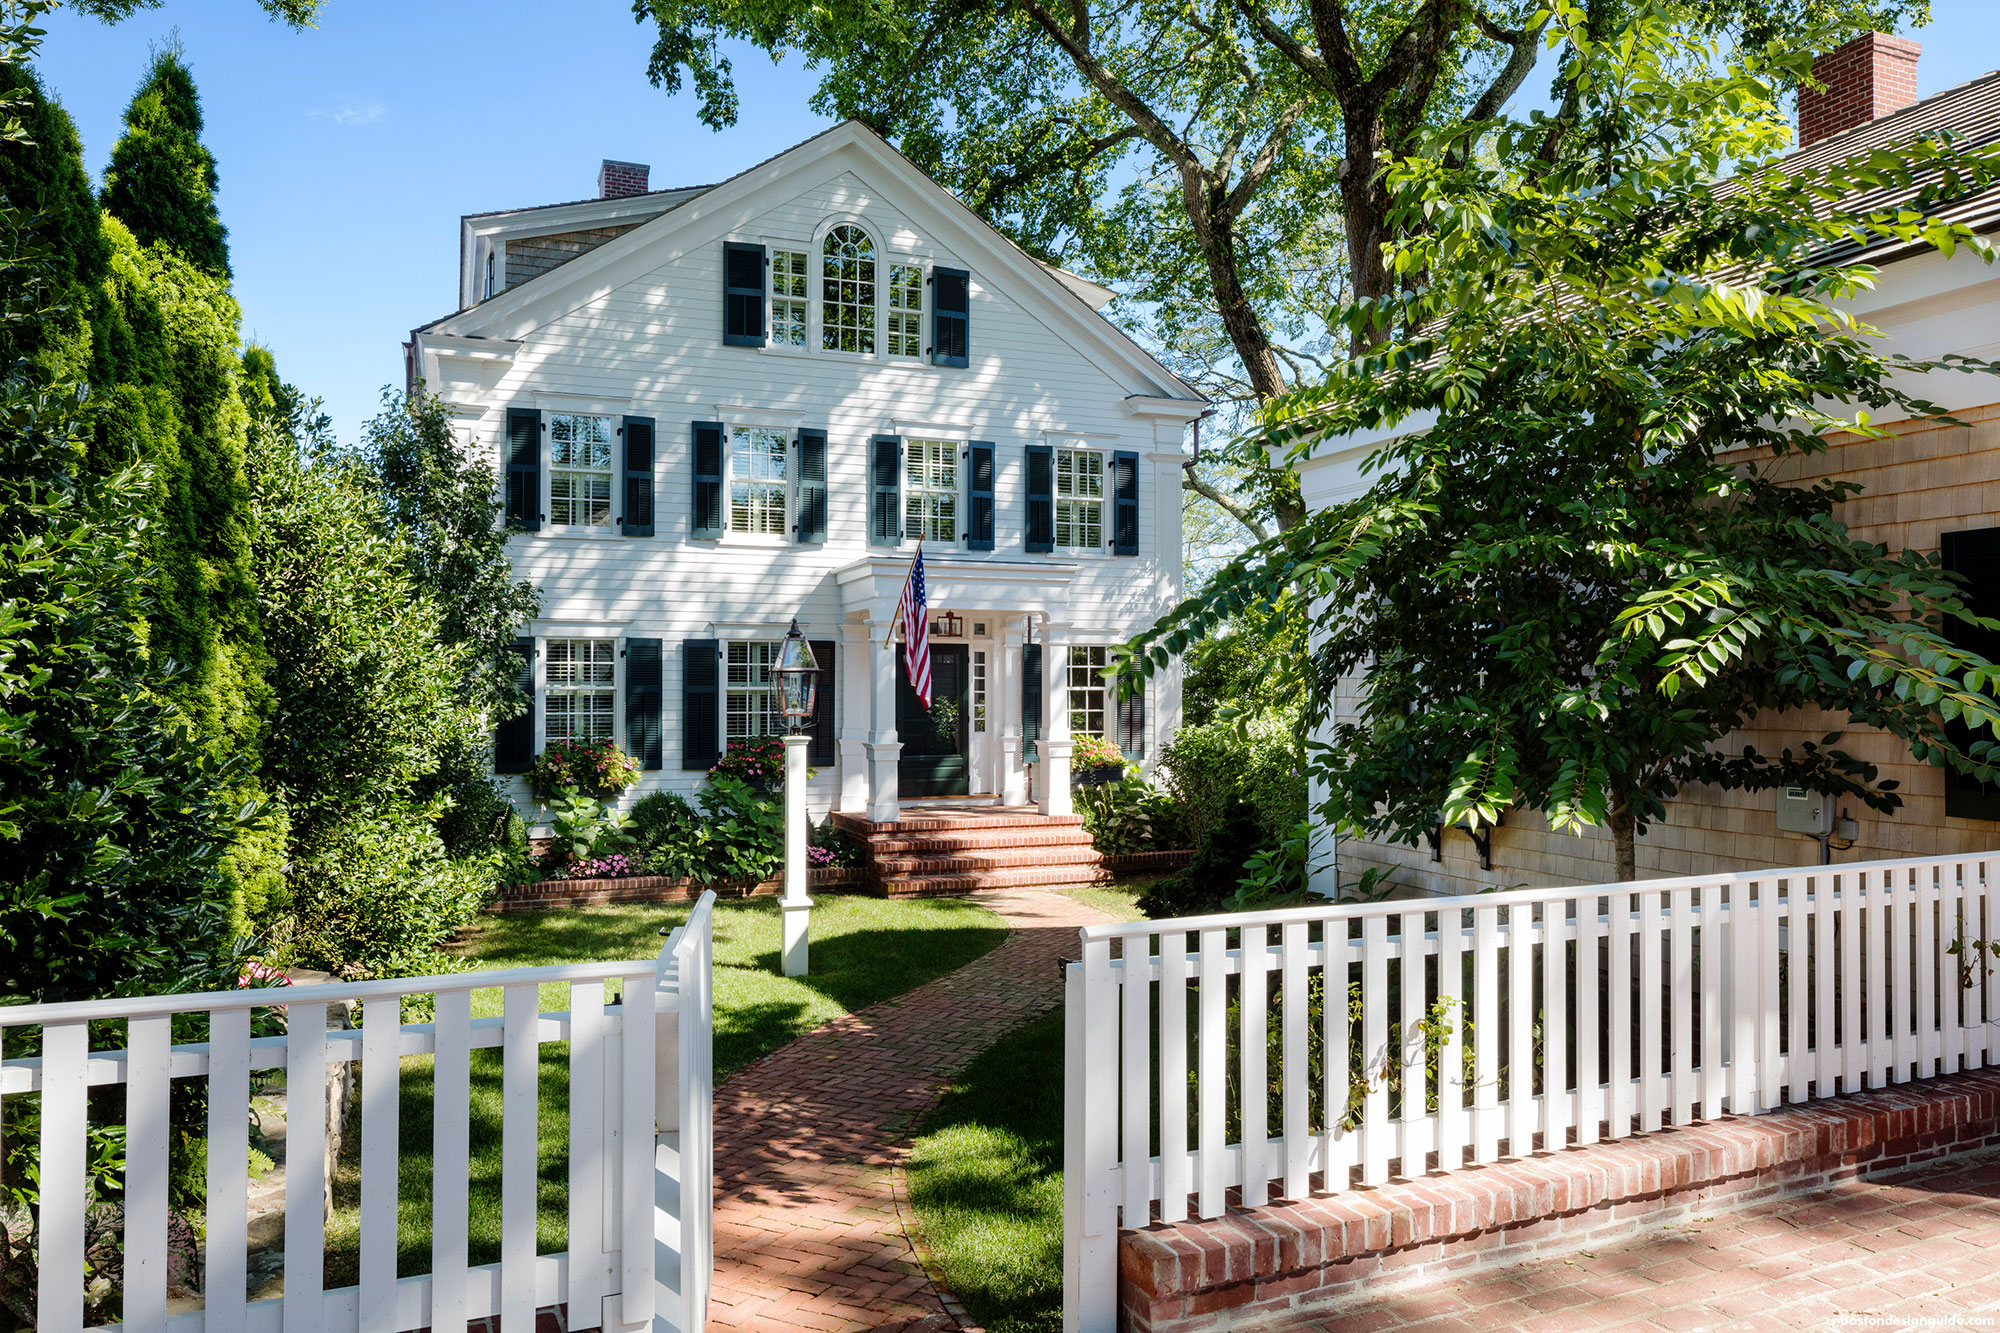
column 1094, row 760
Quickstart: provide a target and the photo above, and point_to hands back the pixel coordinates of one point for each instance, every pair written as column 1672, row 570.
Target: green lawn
column 863, row 950
column 985, row 1178
column 1121, row 900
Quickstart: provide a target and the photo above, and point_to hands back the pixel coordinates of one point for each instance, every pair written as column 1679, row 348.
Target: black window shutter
column 701, row 704
column 885, row 491
column 812, row 485
column 1041, row 497
column 514, row 739
column 1031, row 702
column 742, row 294
column 1974, row 555
column 708, row 439
column 642, row 701
column 951, row 317
column 1132, row 722
column 524, row 469
column 1125, row 501
column 824, row 749
column 979, row 494
column 638, row 519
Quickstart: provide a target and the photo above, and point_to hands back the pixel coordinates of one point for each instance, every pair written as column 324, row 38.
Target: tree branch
column 1189, row 481
column 1260, row 165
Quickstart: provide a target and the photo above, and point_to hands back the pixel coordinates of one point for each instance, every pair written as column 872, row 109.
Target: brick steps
column 995, row 858
column 978, row 841
column 1027, row 877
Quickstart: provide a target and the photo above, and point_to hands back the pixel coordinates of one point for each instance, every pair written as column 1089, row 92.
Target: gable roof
column 1068, row 300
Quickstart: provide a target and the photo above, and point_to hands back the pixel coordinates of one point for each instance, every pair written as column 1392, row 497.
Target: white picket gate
column 640, row 1147
column 1678, row 999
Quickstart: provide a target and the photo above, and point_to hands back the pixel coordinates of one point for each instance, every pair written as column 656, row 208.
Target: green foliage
column 1222, row 852
column 443, row 504
column 371, row 708
column 1590, row 570
column 161, row 180
column 1127, row 815
column 758, row 762
column 42, row 174
column 1255, row 760
column 663, row 829
column 1254, row 663
column 116, row 817
column 582, row 828
column 373, row 893
column 742, row 838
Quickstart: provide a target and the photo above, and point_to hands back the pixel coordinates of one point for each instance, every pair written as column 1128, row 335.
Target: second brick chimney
column 1870, row 77
column 616, row 180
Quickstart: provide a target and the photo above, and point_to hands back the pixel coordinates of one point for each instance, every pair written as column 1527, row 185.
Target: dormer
column 506, row 248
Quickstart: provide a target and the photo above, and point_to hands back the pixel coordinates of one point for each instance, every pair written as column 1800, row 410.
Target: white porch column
column 1004, row 706
column 856, row 706
column 1055, row 744
column 884, row 750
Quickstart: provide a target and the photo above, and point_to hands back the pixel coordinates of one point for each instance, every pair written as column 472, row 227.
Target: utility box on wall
column 1802, row 811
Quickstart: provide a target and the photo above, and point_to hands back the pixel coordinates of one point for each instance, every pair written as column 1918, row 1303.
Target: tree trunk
column 1624, row 843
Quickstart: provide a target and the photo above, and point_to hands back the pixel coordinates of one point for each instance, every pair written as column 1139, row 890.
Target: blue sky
column 347, row 153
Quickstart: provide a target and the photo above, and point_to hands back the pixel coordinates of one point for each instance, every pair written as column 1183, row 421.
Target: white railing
column 1203, row 1060
column 639, row 1241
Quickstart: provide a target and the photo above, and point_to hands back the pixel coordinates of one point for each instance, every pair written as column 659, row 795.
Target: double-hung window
column 1079, row 499
column 580, row 470
column 906, row 310
column 581, row 697
column 788, row 297
column 930, row 490
column 750, row 710
column 847, row 291
column 757, row 480
column 1087, row 695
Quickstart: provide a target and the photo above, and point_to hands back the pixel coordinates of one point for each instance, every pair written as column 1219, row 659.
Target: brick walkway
column 1913, row 1251
column 807, row 1234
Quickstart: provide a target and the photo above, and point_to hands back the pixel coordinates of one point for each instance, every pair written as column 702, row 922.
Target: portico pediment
column 871, row 586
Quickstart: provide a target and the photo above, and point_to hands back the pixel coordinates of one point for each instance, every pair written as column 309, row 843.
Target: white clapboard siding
column 635, row 329
column 623, row 1261
column 1702, row 996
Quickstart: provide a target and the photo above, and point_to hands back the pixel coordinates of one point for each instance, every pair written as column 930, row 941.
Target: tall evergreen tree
column 161, row 181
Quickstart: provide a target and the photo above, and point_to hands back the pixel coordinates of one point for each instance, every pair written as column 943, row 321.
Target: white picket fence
column 1493, row 1025
column 640, row 1146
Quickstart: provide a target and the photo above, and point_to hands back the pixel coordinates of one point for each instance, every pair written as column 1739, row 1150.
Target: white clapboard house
column 721, row 407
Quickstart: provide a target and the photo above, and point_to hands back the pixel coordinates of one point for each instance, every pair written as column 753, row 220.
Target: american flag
column 913, row 612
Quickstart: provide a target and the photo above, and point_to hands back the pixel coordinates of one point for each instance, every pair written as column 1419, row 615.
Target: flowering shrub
column 821, row 856
column 1094, row 752
column 599, row 768
column 618, row 865
column 760, row 762
column 257, row 973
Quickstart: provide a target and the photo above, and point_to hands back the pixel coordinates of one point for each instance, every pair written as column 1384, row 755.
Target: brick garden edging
column 1249, row 1267
column 651, row 889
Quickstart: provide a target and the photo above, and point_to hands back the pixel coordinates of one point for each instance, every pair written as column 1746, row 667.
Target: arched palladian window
column 847, row 291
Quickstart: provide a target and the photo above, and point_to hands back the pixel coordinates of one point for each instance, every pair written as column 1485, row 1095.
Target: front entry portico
column 889, row 749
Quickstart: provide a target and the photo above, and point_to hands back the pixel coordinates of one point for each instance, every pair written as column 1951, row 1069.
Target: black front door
column 933, row 761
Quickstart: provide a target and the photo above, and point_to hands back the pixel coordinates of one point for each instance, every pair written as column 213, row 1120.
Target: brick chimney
column 1870, row 77
column 615, row 180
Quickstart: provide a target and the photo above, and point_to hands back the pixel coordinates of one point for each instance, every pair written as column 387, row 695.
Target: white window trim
column 1106, row 515
column 790, row 431
column 771, row 344
column 922, row 355
column 816, row 313
column 1107, row 687
column 748, row 636
column 617, row 637
column 962, row 444
column 548, row 458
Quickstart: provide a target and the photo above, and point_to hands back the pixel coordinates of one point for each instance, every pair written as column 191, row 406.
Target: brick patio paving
column 807, row 1229
column 1916, row 1250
